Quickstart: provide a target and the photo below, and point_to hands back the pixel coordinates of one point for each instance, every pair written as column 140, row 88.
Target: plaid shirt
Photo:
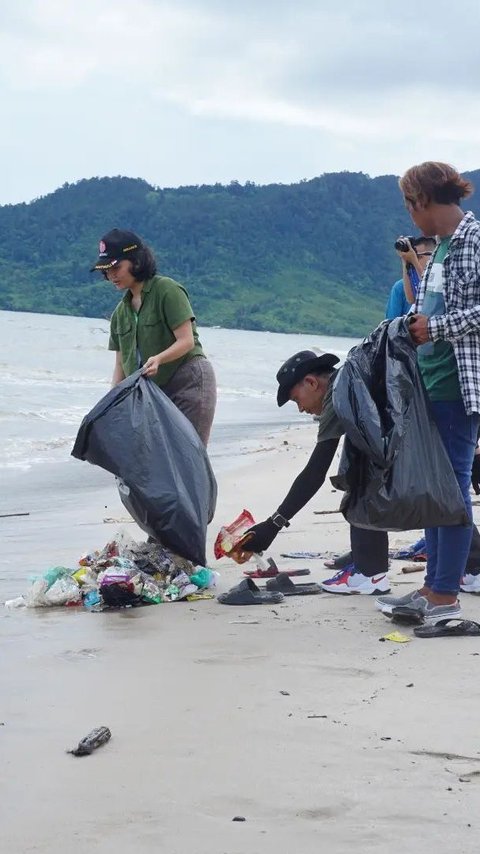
column 461, row 323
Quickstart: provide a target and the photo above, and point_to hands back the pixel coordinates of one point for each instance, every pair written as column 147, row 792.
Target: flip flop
column 302, row 555
column 247, row 593
column 273, row 571
column 406, row 615
column 282, row 583
column 452, row 628
column 339, row 561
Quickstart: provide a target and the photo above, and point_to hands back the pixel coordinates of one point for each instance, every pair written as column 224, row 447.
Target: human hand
column 258, row 538
column 418, row 328
column 410, row 256
column 151, row 366
column 476, row 474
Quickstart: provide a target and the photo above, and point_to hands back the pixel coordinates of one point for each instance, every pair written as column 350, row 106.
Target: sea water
column 53, row 369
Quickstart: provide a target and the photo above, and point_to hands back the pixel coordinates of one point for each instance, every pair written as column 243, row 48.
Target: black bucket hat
column 298, row 366
column 115, row 246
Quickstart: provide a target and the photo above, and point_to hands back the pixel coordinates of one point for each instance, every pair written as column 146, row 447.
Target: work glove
column 259, row 537
column 475, row 475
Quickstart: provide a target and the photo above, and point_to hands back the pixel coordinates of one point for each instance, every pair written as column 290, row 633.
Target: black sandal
column 452, row 628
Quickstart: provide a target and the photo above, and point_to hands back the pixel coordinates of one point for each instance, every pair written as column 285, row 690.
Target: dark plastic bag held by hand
column 394, row 467
column 165, row 478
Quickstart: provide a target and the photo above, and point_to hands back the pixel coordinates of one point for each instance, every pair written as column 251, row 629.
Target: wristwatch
column 279, row 520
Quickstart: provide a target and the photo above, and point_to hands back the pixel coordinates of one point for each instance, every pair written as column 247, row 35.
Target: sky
column 202, row 91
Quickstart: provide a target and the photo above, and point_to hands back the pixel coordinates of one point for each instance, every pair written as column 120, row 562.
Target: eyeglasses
column 424, row 254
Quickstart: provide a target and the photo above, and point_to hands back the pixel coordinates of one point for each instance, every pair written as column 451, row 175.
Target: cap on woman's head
column 116, row 246
column 298, row 366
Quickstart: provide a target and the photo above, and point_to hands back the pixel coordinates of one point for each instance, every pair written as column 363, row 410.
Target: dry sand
column 293, row 716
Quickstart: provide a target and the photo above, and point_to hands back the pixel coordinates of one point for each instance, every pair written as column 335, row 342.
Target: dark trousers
column 369, row 551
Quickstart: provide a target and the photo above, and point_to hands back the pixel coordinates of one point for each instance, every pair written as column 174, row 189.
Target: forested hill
column 316, row 256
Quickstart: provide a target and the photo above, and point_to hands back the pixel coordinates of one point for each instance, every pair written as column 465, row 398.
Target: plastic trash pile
column 124, row 573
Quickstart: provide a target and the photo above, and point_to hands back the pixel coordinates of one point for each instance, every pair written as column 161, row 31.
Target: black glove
column 475, row 474
column 259, row 537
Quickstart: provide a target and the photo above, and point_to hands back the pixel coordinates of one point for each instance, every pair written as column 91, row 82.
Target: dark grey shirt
column 329, row 426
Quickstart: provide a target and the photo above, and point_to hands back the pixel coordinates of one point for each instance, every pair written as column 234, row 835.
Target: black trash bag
column 164, row 475
column 394, row 467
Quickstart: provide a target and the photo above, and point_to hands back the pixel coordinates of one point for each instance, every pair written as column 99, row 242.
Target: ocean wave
column 225, row 391
column 23, row 453
column 72, row 415
column 50, row 378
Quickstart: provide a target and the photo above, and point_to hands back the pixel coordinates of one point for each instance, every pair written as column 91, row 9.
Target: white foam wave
column 225, row 391
column 23, row 453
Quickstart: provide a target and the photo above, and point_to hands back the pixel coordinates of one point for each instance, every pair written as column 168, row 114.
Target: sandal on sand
column 453, row 628
column 247, row 593
column 339, row 561
column 282, row 583
column 273, row 572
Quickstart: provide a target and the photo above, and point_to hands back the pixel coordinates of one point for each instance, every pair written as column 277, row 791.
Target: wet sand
column 292, row 716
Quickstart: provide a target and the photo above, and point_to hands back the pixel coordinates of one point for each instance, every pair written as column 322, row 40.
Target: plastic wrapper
column 63, row 591
column 56, row 587
column 230, row 535
column 162, row 468
column 394, row 468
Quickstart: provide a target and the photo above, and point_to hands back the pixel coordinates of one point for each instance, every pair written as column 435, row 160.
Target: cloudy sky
column 199, row 91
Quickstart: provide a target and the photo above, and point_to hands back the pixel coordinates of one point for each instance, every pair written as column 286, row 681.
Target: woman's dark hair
column 434, row 182
column 143, row 263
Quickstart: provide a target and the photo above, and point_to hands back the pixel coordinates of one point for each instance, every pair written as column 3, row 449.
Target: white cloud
column 368, row 85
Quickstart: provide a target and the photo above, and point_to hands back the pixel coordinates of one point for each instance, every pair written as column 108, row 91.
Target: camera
column 402, row 246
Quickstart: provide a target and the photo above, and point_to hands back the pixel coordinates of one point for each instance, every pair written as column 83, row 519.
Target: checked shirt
column 461, row 323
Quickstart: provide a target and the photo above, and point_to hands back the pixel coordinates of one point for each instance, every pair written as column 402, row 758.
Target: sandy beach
column 294, row 717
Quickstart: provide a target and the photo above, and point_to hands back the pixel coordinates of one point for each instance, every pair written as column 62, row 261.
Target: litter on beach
column 125, row 573
column 396, row 637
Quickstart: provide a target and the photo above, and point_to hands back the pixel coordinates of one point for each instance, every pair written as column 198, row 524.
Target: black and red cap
column 116, row 246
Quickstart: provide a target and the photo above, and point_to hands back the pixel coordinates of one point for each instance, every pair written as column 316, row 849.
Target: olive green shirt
column 137, row 336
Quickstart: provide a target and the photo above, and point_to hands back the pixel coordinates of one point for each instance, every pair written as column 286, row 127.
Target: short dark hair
column 426, row 241
column 434, row 182
column 144, row 265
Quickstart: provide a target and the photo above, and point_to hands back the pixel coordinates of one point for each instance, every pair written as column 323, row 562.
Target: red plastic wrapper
column 230, row 535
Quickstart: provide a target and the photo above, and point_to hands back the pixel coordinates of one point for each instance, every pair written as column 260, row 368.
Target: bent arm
column 183, row 343
column 457, row 324
column 407, row 285
column 310, row 479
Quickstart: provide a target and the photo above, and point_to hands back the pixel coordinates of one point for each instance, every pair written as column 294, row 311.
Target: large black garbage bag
column 165, row 478
column 394, row 467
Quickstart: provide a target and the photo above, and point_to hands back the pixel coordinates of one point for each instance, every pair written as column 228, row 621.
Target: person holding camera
column 445, row 327
column 415, row 253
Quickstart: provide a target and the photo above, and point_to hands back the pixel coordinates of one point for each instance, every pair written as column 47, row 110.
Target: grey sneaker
column 422, row 611
column 386, row 604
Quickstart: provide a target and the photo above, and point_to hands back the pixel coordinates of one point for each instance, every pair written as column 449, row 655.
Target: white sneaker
column 470, row 583
column 355, row 582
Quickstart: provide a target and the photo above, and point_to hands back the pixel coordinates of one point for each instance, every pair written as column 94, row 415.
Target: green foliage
column 310, row 257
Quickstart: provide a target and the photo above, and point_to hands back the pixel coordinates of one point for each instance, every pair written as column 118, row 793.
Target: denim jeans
column 448, row 547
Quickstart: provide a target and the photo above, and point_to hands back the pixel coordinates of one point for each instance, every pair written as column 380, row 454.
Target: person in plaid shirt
column 446, row 329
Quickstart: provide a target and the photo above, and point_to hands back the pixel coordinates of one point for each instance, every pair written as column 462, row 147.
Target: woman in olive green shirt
column 154, row 327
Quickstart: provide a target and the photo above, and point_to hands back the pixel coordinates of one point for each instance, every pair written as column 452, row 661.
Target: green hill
column 316, row 256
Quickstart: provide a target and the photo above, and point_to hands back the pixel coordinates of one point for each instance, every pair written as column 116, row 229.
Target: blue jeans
column 448, row 547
